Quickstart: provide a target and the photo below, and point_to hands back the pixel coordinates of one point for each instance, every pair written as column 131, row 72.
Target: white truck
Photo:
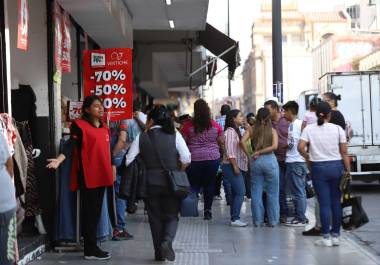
column 360, row 105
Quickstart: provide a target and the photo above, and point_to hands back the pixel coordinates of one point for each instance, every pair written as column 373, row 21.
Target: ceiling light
column 171, row 23
column 168, row 2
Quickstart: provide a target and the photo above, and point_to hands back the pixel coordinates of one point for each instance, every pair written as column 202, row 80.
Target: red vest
column 95, row 155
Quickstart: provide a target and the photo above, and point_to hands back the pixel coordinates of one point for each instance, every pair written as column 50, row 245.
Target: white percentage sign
column 118, row 75
column 119, row 103
column 119, row 89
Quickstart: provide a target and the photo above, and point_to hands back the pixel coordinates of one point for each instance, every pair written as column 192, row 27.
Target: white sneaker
column 335, row 241
column 324, row 242
column 238, row 223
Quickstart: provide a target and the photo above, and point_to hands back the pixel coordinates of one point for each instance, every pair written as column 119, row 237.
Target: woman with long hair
column 327, row 145
column 160, row 147
column 264, row 169
column 235, row 161
column 205, row 139
column 91, row 170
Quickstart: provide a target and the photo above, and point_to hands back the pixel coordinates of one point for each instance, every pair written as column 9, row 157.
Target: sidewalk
column 200, row 242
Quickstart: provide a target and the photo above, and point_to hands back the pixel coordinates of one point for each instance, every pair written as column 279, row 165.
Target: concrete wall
column 30, row 67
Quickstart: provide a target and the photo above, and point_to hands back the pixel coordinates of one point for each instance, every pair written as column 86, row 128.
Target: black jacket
column 133, row 181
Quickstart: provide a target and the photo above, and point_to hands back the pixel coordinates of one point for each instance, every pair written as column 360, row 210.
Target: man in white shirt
column 296, row 168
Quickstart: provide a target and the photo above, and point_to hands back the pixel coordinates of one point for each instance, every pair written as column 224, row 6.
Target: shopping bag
column 353, row 213
column 189, row 206
column 310, row 192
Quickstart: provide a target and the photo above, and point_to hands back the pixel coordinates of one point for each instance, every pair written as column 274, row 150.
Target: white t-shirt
column 7, row 189
column 294, row 135
column 310, row 117
column 324, row 141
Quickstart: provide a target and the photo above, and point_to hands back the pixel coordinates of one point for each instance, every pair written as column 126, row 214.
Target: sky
column 242, row 15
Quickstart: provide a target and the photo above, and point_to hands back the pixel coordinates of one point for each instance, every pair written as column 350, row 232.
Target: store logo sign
column 98, row 60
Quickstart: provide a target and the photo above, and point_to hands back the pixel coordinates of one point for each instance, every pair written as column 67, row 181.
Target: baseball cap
column 323, row 109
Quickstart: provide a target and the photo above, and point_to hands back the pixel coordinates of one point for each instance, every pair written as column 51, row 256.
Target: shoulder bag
column 178, row 181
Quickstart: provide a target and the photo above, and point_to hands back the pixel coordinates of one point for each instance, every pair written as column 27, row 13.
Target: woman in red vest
column 91, row 170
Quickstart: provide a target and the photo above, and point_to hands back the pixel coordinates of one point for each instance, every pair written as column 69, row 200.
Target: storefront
column 35, row 90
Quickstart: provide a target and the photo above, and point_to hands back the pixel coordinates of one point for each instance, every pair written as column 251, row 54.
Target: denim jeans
column 283, row 189
column 326, row 178
column 296, row 176
column 121, row 205
column 227, row 189
column 265, row 177
column 237, row 190
column 202, row 176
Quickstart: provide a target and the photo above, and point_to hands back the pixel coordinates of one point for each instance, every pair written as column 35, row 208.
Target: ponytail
column 321, row 121
column 161, row 116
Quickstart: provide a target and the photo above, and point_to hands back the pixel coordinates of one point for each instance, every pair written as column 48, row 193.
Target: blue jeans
column 326, row 178
column 283, row 189
column 121, row 205
column 296, row 176
column 265, row 177
column 227, row 189
column 237, row 190
column 202, row 176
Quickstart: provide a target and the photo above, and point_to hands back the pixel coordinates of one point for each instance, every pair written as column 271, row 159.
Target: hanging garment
column 20, row 167
column 8, row 130
column 32, row 201
column 24, row 108
column 67, row 203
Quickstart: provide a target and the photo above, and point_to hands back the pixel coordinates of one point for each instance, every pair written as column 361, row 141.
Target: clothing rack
column 76, row 246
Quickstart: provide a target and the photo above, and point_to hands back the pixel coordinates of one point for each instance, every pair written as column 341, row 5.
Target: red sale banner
column 74, row 110
column 58, row 36
column 23, row 21
column 108, row 74
column 66, row 43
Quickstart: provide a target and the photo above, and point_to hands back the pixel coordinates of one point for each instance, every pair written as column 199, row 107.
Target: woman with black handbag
column 328, row 160
column 160, row 147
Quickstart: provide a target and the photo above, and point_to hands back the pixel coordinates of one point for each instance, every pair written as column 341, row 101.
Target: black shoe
column 297, row 222
column 97, row 255
column 312, row 232
column 283, row 219
column 207, row 215
column 167, row 251
column 159, row 258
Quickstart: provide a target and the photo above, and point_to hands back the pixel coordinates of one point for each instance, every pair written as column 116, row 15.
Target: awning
column 219, row 43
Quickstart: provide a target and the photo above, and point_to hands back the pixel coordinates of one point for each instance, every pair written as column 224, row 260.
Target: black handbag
column 178, row 181
column 310, row 192
column 353, row 213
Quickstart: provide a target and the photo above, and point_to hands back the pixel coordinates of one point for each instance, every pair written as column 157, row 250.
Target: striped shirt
column 233, row 149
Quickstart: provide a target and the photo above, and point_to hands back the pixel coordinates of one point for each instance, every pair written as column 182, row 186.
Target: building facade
column 301, row 33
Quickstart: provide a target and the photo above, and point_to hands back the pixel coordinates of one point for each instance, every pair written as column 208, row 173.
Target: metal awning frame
column 213, row 60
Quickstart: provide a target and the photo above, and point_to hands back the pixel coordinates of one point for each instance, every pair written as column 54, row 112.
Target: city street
column 215, row 243
column 368, row 236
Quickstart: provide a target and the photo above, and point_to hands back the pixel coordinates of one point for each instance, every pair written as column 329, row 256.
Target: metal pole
column 378, row 14
column 228, row 33
column 277, row 50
